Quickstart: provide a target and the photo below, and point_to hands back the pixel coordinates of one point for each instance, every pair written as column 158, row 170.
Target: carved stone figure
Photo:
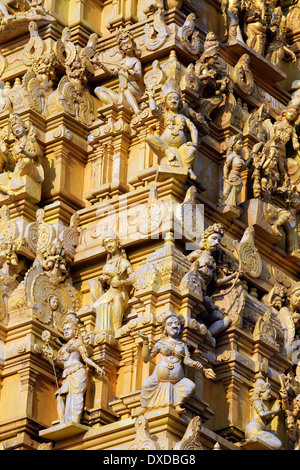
column 168, row 385
column 37, row 82
column 291, row 405
column 174, row 147
column 231, row 10
column 204, row 266
column 275, row 297
column 18, row 8
column 72, row 94
column 271, row 173
column 10, row 265
column 293, row 303
column 261, row 416
column 214, row 82
column 46, row 292
column 233, row 166
column 22, row 160
column 256, row 25
column 259, row 123
column 277, row 47
column 72, row 357
column 110, row 291
column 129, row 71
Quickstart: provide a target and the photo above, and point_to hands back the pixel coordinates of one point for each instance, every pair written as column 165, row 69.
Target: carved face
column 54, row 303
column 111, row 245
column 213, row 241
column 277, row 302
column 238, row 146
column 173, row 327
column 291, row 114
column 295, row 299
column 17, row 128
column 126, row 46
column 69, row 331
column 266, row 394
column 173, row 101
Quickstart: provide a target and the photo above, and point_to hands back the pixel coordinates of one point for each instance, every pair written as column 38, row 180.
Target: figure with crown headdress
column 168, row 385
column 206, row 261
column 261, row 415
column 270, row 162
column 129, row 70
column 23, row 159
column 231, row 11
column 214, row 82
column 73, row 357
column 233, row 166
column 110, row 291
column 177, row 146
column 277, row 47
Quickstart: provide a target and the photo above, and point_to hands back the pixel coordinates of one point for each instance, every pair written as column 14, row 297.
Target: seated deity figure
column 110, row 291
column 129, row 70
column 261, row 416
column 73, row 357
column 204, row 265
column 168, row 384
column 177, row 146
column 23, row 159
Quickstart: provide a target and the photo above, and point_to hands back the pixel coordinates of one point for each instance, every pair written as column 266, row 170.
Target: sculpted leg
column 118, row 311
column 160, row 148
column 60, row 403
column 106, row 95
column 131, row 100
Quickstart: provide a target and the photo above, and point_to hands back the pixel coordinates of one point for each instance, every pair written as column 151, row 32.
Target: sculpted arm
column 209, row 373
column 227, row 166
column 193, row 130
column 89, row 361
column 147, row 352
column 295, row 140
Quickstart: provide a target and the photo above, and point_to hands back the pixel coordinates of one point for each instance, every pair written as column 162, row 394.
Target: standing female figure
column 73, row 358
